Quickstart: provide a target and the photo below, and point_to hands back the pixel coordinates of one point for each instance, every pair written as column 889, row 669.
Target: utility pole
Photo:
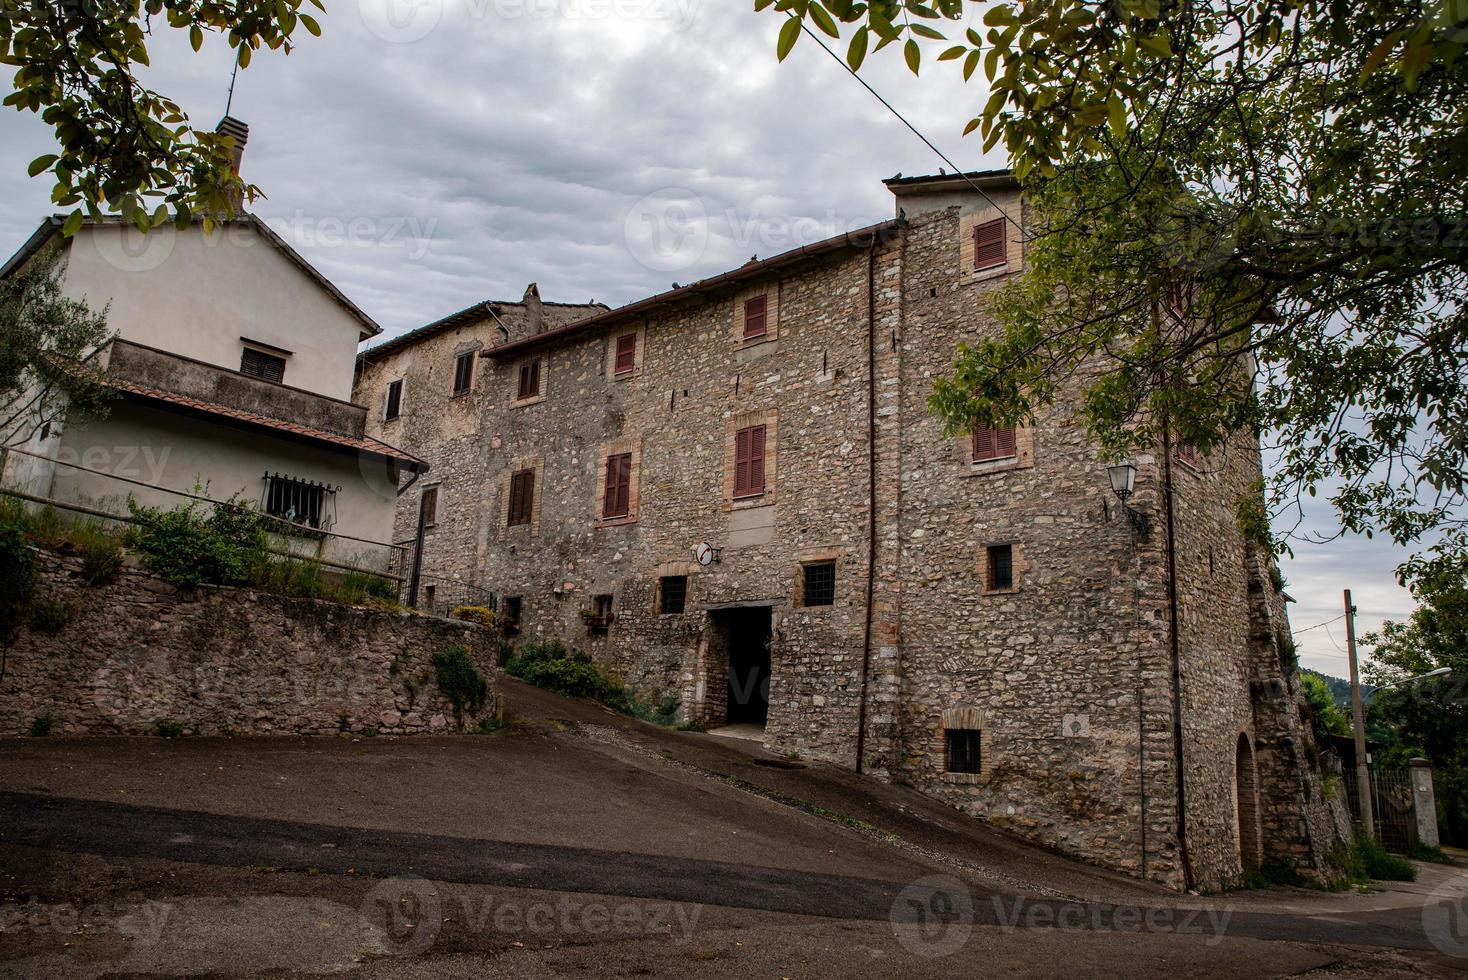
column 1363, row 767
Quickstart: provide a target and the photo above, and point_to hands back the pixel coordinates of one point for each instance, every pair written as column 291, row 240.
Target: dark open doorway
column 747, row 635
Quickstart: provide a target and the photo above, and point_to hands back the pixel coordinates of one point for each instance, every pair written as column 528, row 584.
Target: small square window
column 510, row 615
column 428, row 506
column 963, row 750
column 989, row 244
column 1001, row 567
column 818, row 583
column 626, row 354
column 756, row 317
column 258, row 364
column 529, row 380
column 393, row 406
column 672, row 594
column 463, row 373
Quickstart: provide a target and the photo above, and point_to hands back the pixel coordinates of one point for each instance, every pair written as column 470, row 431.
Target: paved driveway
column 576, row 840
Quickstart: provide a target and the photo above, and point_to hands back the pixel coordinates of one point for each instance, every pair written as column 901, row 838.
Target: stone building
column 732, row 494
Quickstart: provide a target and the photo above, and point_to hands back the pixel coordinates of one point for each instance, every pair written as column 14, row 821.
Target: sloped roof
column 51, row 227
column 859, row 239
column 365, row 445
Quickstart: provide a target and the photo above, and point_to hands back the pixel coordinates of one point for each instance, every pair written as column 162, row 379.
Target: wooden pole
column 1363, row 766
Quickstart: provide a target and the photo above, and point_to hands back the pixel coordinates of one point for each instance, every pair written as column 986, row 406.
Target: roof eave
column 859, row 239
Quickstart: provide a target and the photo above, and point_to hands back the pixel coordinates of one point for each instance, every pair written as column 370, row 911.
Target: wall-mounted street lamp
column 1123, row 477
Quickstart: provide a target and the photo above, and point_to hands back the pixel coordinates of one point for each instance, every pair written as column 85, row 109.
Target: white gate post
column 1424, row 804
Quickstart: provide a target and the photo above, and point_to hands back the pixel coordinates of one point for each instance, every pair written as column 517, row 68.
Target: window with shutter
column 394, row 406
column 522, row 497
column 756, row 320
column 749, row 461
column 509, row 620
column 529, row 380
column 618, row 499
column 463, row 373
column 428, row 505
column 626, row 353
column 258, row 364
column 989, row 245
column 993, row 443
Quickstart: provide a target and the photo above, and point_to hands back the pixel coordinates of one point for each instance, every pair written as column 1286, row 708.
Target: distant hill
column 1340, row 688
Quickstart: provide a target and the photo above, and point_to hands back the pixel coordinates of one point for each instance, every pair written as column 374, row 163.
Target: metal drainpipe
column 866, row 647
column 1177, row 670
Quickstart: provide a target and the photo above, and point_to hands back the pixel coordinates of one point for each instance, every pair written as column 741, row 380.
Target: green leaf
column 823, row 20
column 73, row 223
column 1157, row 43
column 957, row 51
column 789, row 34
column 310, row 24
column 41, row 163
column 857, row 51
column 196, row 37
column 999, row 16
column 1116, row 116
column 1379, row 53
column 912, row 54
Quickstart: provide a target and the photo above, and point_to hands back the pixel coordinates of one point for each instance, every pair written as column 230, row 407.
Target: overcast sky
column 427, row 154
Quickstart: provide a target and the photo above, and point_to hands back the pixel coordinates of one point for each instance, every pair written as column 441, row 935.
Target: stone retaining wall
column 222, row 661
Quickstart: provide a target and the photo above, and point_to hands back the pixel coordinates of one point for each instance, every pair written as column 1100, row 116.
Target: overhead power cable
column 958, row 171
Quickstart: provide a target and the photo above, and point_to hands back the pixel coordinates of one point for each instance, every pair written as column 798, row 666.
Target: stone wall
column 223, row 661
column 1067, row 677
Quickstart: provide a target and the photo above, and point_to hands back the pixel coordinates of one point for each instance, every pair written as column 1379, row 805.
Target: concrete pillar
column 1424, row 804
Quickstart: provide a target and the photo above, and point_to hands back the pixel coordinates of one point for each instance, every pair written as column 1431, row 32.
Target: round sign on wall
column 705, row 554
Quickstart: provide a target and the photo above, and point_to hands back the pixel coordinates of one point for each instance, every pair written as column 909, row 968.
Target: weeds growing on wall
column 17, row 580
column 482, row 615
column 49, row 616
column 460, row 681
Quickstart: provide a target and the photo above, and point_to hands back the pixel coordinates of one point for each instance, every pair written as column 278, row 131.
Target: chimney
column 230, row 126
column 534, row 313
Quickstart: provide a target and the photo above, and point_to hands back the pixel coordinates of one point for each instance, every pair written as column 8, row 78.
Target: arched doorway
column 1246, row 794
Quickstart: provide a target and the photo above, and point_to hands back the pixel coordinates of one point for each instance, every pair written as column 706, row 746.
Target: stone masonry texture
column 226, row 661
column 1065, row 678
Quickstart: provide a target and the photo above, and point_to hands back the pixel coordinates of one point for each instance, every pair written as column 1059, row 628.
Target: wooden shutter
column 749, row 461
column 463, row 372
column 529, row 379
column 429, row 506
column 259, row 364
column 522, row 497
column 617, row 502
column 626, row 353
column 989, row 244
column 394, row 405
column 992, row 443
column 756, row 322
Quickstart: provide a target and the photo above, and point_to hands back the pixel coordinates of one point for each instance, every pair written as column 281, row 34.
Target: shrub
column 100, row 550
column 287, row 576
column 460, row 681
column 41, row 727
column 187, row 547
column 548, row 664
column 482, row 615
column 49, row 616
column 1370, row 860
column 168, row 728
column 1429, row 853
column 17, row 579
column 1275, row 872
column 360, row 588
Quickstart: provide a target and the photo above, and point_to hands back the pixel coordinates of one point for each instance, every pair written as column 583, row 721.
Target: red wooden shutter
column 992, row 443
column 755, row 320
column 741, row 462
column 617, row 502
column 626, row 353
column 757, row 460
column 989, row 244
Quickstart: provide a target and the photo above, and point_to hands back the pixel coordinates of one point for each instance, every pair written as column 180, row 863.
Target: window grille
column 300, row 501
